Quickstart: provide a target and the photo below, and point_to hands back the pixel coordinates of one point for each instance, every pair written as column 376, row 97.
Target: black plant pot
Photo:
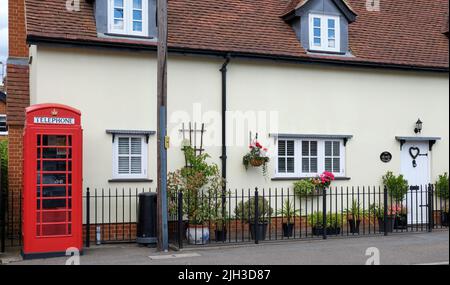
column 288, row 229
column 444, row 219
column 261, row 228
column 221, row 235
column 318, row 231
column 390, row 224
column 354, row 226
column 401, row 222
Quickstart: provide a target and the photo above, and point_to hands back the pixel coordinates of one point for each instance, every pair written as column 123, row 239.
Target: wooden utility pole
column 163, row 240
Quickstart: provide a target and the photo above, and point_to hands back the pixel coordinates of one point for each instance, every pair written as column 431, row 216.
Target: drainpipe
column 223, row 70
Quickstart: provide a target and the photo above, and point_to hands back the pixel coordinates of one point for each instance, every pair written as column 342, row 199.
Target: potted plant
column 378, row 211
column 200, row 184
column 256, row 157
column 288, row 214
column 220, row 221
column 354, row 215
column 397, row 186
column 332, row 227
column 305, row 188
column 401, row 217
column 442, row 187
column 246, row 213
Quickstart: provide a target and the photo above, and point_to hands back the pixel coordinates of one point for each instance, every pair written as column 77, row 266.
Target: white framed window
column 129, row 157
column 324, row 33
column 128, row 17
column 286, row 157
column 306, row 157
column 3, row 126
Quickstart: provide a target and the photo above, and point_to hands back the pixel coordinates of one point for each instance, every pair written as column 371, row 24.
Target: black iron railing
column 255, row 215
column 110, row 215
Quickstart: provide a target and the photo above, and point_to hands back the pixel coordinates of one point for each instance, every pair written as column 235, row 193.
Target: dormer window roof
column 321, row 25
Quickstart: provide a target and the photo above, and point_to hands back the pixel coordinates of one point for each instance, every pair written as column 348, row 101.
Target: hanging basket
column 257, row 162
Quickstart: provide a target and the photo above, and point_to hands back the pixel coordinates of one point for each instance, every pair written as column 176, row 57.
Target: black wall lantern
column 418, row 128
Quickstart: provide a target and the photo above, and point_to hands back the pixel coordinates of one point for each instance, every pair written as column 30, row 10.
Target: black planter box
column 318, row 231
column 262, row 230
column 401, row 222
column 221, row 235
column 354, row 226
column 444, row 219
column 288, row 230
column 390, row 224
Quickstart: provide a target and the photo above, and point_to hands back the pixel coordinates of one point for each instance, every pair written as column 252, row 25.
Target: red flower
column 258, row 145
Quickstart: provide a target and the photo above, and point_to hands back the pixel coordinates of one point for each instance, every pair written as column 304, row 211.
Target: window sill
column 127, row 36
column 326, row 52
column 119, row 180
column 342, row 178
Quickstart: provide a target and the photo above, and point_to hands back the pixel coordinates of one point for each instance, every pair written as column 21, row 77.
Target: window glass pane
column 328, row 149
column 118, row 13
column 328, row 165
column 305, row 165
column 136, row 165
column 118, row 24
column 56, row 179
column 290, row 165
column 313, row 148
column 50, row 140
column 58, row 191
column 290, row 148
column 316, row 22
column 317, row 42
column 137, row 15
column 336, row 165
column 336, row 148
column 136, row 146
column 314, row 166
column 124, row 165
column 137, row 26
column 331, row 34
column 52, row 165
column 331, row 43
column 118, row 3
column 281, row 164
column 137, row 4
column 317, row 32
column 331, row 23
column 282, row 148
column 124, row 146
column 305, row 148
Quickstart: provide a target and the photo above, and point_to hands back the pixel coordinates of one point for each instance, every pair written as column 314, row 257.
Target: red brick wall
column 17, row 88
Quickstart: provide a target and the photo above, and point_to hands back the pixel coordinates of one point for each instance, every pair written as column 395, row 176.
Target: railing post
column 385, row 210
column 180, row 219
column 324, row 210
column 430, row 208
column 88, row 218
column 256, row 218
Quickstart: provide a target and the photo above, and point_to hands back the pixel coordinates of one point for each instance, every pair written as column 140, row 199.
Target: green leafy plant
column 334, row 220
column 397, row 186
column 303, row 188
column 201, row 186
column 355, row 212
column 442, row 185
column 256, row 157
column 288, row 211
column 392, row 211
column 246, row 211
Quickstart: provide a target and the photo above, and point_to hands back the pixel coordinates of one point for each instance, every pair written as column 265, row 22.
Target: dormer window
column 324, row 33
column 128, row 17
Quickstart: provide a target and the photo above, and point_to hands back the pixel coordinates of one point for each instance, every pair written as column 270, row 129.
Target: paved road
column 423, row 248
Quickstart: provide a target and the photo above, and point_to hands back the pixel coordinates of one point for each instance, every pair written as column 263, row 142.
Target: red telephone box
column 52, row 180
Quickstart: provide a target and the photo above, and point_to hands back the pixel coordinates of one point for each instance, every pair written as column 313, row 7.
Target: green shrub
column 304, row 187
column 246, row 211
column 397, row 186
column 334, row 220
column 442, row 186
column 4, row 164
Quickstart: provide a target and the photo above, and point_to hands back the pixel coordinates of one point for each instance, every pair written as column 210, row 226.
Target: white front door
column 415, row 167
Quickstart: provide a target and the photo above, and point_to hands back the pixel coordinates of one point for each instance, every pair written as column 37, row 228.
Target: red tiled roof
column 403, row 32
